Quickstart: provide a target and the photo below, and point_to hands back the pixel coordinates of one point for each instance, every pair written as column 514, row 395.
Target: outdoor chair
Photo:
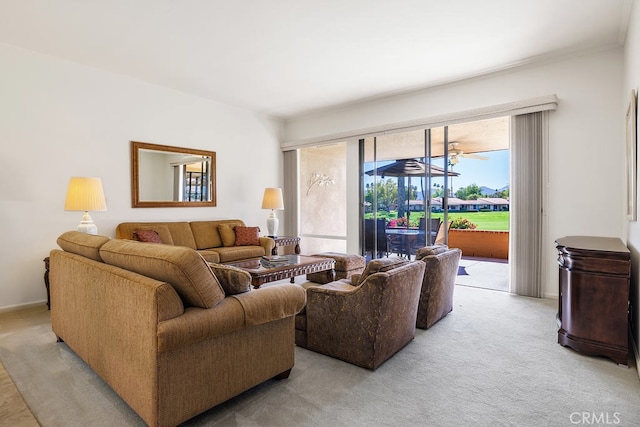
column 395, row 244
column 422, row 240
column 375, row 234
column 440, row 236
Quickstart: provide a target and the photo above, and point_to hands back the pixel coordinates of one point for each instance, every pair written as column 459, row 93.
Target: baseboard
column 634, row 347
column 18, row 307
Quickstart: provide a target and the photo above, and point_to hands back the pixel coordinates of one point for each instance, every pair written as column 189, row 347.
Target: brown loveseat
column 170, row 334
column 214, row 240
column 364, row 320
column 436, row 297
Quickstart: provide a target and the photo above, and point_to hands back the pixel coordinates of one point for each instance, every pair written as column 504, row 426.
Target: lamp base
column 272, row 224
column 86, row 225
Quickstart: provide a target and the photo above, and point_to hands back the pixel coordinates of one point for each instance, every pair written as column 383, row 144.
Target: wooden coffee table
column 296, row 265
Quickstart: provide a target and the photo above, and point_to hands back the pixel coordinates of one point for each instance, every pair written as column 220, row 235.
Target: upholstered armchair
column 436, row 296
column 367, row 320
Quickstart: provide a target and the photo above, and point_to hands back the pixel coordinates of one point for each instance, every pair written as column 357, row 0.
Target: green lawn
column 494, row 221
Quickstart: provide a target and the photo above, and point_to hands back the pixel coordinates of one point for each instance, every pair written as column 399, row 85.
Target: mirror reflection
column 166, row 176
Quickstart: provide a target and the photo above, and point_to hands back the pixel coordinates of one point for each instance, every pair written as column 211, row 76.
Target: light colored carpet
column 493, row 361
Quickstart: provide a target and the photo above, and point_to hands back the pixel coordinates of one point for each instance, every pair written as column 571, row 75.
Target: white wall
column 632, row 81
column 586, row 153
column 59, row 119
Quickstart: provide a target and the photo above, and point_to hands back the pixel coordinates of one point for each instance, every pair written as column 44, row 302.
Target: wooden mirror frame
column 136, row 202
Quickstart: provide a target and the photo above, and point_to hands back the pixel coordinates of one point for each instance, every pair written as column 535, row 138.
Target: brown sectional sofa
column 203, row 236
column 162, row 329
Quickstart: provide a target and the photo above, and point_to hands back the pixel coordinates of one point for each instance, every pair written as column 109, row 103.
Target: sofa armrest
column 268, row 244
column 271, row 303
column 198, row 324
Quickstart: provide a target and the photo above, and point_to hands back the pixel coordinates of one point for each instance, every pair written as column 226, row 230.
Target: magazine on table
column 274, row 260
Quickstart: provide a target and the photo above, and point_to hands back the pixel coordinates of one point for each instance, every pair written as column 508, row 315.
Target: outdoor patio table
column 408, row 235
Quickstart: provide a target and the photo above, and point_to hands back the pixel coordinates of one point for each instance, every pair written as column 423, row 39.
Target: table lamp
column 272, row 200
column 85, row 194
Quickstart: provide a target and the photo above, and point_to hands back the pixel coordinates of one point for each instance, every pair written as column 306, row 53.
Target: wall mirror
column 165, row 176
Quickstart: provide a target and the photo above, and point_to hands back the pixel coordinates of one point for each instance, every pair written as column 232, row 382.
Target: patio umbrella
column 408, row 168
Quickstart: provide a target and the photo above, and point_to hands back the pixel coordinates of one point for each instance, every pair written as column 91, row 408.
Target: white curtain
column 290, row 194
column 528, row 145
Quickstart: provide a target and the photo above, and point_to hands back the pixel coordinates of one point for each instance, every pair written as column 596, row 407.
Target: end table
column 286, row 241
column 46, row 280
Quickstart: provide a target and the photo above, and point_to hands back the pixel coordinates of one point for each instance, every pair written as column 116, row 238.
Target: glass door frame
column 427, row 196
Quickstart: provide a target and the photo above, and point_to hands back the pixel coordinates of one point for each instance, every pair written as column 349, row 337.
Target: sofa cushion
column 87, row 245
column 152, row 234
column 232, row 279
column 210, row 255
column 227, row 234
column 180, row 231
column 247, row 236
column 207, row 234
column 179, row 266
column 236, row 253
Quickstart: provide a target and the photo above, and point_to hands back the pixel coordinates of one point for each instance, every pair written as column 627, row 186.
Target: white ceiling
column 288, row 57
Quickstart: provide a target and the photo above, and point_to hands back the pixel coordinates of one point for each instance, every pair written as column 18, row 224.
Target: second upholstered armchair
column 365, row 320
column 436, row 297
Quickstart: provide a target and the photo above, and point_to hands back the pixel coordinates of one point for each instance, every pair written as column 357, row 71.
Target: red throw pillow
column 247, row 236
column 149, row 236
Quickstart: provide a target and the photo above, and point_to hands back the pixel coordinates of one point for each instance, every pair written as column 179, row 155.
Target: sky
column 492, row 173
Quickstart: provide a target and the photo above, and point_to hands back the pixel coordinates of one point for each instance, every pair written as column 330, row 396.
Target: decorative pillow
column 227, row 234
column 232, row 279
column 149, row 236
column 161, row 230
column 247, row 236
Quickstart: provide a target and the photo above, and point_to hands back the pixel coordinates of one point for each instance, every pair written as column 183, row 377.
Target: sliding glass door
column 416, row 185
column 405, row 187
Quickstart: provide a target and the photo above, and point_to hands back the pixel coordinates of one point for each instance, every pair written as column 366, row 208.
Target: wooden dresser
column 593, row 303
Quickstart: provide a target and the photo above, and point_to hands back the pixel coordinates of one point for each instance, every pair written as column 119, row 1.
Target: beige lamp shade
column 85, row 194
column 272, row 199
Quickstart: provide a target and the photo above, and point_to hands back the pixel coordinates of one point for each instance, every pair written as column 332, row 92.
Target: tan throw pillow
column 232, row 279
column 227, row 234
column 247, row 236
column 148, row 236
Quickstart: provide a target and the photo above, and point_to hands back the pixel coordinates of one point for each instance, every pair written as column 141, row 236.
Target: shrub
column 402, row 222
column 462, row 224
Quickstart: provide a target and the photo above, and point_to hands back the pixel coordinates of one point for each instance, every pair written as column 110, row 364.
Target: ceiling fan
column 455, row 154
